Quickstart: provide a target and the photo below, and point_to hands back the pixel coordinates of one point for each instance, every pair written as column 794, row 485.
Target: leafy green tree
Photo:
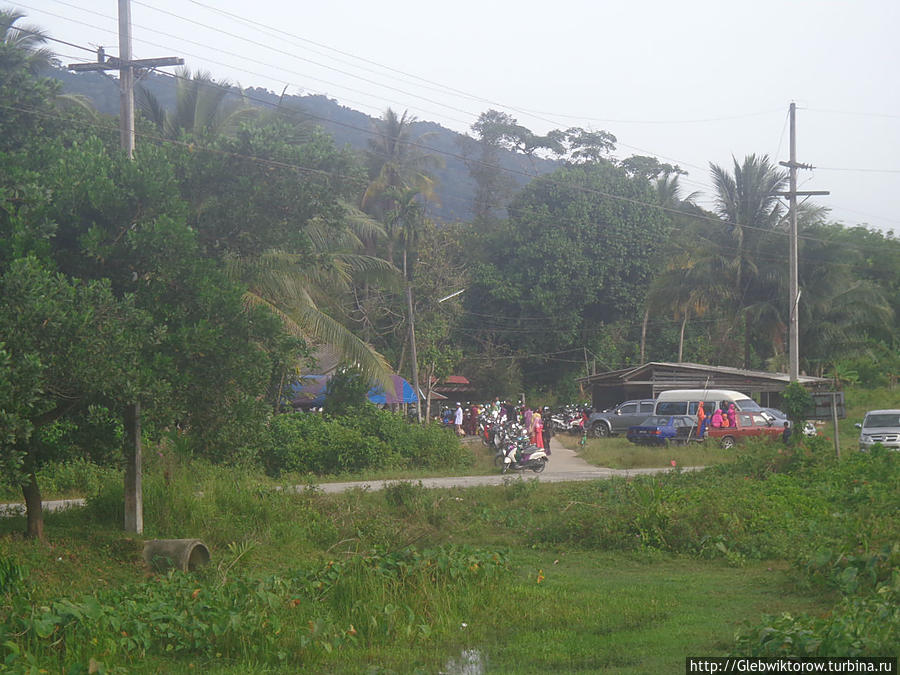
column 67, row 344
column 577, row 254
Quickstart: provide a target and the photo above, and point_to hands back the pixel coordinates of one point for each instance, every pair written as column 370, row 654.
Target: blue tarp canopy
column 402, row 393
column 309, row 392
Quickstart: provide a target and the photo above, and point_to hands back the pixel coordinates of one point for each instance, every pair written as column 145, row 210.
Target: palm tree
column 27, row 39
column 747, row 202
column 204, row 108
column 397, row 160
column 299, row 288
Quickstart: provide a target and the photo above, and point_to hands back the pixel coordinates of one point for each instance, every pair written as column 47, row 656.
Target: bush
column 310, row 443
column 369, row 439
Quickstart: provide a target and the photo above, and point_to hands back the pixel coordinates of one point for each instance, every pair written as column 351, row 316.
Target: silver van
column 880, row 426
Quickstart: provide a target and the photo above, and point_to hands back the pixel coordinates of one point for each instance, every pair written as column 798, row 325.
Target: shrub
column 305, row 442
column 369, row 439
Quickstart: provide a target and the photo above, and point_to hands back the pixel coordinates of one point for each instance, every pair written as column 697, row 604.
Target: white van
column 684, row 401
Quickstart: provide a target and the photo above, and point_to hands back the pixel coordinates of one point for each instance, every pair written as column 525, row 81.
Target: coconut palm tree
column 396, row 159
column 28, row 39
column 748, row 204
column 303, row 289
column 204, row 108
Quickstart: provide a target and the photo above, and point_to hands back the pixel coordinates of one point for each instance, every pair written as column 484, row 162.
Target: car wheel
column 728, row 442
column 600, row 430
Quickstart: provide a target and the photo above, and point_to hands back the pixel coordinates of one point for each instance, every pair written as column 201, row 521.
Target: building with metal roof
column 646, row 381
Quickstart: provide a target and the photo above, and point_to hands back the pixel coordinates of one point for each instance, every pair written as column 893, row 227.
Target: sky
column 689, row 82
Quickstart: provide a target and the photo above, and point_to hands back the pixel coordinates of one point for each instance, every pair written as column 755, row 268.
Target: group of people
column 465, row 421
column 720, row 418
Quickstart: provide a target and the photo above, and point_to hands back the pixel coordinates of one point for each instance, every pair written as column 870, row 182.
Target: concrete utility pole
column 134, row 498
column 793, row 165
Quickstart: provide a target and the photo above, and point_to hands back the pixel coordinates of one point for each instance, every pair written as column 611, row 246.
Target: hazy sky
column 691, row 82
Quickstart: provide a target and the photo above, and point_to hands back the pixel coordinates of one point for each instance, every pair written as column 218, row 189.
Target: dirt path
column 565, row 465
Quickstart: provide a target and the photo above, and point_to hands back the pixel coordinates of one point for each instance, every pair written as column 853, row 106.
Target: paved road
column 564, row 466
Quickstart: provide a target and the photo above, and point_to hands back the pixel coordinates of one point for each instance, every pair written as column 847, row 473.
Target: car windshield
column 882, row 420
column 747, row 404
column 655, row 422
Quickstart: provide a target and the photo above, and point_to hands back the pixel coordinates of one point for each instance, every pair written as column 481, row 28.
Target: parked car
column 749, row 424
column 880, row 426
column 662, row 430
column 617, row 420
column 778, row 417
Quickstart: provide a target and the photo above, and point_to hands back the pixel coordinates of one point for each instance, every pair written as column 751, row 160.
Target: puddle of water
column 470, row 662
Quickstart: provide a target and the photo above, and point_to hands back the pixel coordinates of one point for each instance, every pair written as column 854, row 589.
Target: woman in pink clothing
column 732, row 415
column 717, row 418
column 537, row 425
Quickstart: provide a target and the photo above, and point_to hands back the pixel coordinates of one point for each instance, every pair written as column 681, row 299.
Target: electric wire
column 505, row 169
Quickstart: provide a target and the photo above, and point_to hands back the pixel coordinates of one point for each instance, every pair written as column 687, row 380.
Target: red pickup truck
column 748, row 424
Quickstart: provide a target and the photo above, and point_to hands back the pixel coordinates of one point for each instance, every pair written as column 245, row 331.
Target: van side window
column 671, row 408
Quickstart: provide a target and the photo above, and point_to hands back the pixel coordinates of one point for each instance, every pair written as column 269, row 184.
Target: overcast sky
column 691, row 82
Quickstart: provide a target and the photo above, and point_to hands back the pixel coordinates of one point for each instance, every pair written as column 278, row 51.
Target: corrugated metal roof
column 629, row 374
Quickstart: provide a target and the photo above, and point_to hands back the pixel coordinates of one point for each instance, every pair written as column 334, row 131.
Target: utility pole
column 793, row 165
column 126, row 66
column 134, row 498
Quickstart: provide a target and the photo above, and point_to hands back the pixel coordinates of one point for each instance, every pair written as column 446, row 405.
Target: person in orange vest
column 701, row 420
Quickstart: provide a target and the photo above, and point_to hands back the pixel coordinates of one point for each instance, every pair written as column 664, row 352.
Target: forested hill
column 455, row 188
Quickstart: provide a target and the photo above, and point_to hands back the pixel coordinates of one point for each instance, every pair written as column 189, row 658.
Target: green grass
column 636, row 574
column 620, row 453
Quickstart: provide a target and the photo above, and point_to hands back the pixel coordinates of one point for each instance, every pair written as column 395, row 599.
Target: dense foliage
column 369, row 439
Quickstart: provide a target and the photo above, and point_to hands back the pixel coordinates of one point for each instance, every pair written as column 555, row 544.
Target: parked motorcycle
column 521, row 455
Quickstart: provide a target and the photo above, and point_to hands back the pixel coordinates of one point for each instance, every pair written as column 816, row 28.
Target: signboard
column 822, row 402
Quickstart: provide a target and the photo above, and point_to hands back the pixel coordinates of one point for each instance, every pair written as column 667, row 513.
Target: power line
column 467, row 159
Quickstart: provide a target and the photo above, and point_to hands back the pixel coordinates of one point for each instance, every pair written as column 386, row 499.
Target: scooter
column 521, row 456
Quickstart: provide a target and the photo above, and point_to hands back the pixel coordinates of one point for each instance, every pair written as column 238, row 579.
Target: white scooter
column 520, row 457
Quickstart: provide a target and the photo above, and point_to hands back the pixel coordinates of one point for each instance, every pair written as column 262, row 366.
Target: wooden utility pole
column 134, row 498
column 793, row 165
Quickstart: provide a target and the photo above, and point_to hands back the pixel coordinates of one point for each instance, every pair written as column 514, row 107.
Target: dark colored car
column 664, row 429
column 618, row 419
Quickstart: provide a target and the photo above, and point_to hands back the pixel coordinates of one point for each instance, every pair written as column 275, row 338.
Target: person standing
column 537, row 425
column 732, row 415
column 701, row 420
column 548, row 429
column 786, row 434
column 458, row 420
column 528, row 420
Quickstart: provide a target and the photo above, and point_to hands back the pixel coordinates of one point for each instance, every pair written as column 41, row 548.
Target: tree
column 204, row 108
column 576, row 255
column 67, row 344
column 748, row 203
column 396, row 161
column 28, row 40
column 493, row 186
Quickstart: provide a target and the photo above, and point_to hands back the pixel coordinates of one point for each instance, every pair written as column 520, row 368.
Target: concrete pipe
column 182, row 554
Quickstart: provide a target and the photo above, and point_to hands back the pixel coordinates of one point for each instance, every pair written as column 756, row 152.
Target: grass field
column 622, row 576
